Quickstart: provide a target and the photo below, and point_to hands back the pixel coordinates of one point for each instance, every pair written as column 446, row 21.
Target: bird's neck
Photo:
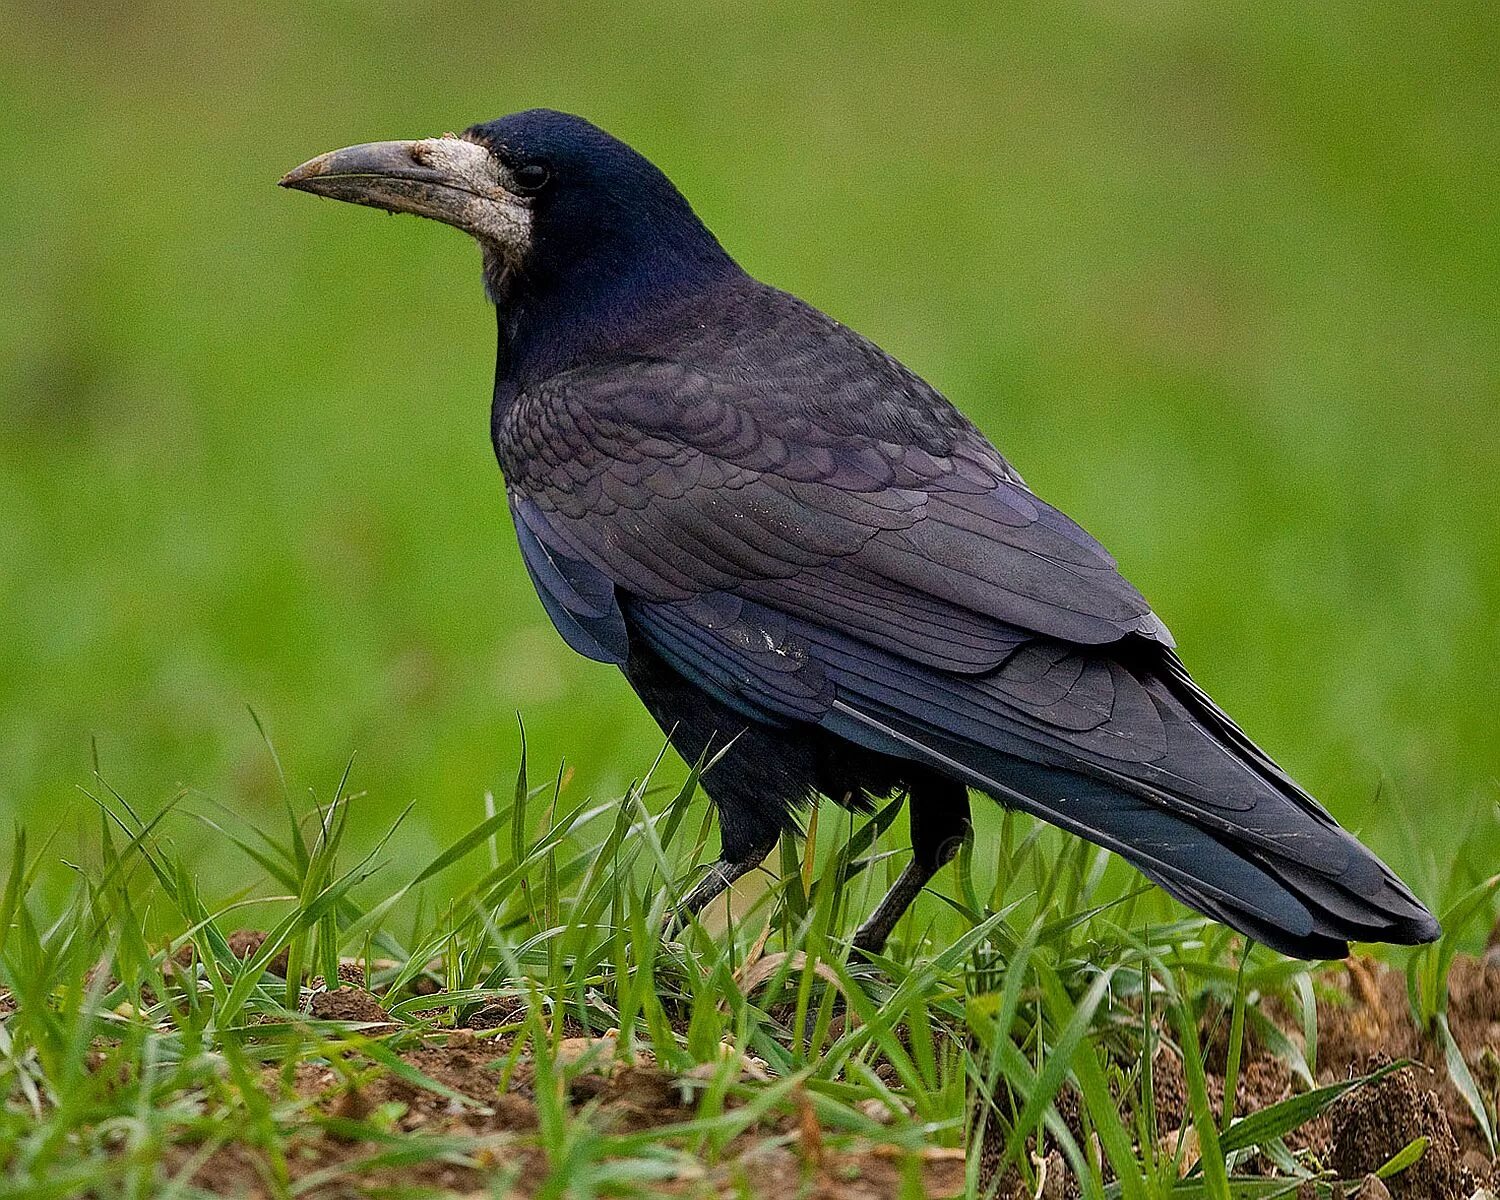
column 560, row 318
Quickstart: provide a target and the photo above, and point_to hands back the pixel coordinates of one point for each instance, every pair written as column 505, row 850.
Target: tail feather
column 1311, row 945
column 1373, row 884
column 1274, row 899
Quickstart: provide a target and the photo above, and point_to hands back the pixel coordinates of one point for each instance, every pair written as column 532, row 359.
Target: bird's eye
column 531, row 177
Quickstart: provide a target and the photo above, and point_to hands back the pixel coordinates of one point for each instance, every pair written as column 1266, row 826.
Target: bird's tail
column 1276, row 867
column 1119, row 747
column 1277, row 901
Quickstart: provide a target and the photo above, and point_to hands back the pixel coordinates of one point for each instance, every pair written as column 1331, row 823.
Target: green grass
column 126, row 1064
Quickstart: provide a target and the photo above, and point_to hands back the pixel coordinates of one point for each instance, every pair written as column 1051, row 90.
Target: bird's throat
column 565, row 315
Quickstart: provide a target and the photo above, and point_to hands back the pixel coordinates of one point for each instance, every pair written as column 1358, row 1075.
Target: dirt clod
column 498, row 1015
column 1372, row 1124
column 352, row 1104
column 590, row 1086
column 245, row 943
column 347, row 1004
column 1372, row 1188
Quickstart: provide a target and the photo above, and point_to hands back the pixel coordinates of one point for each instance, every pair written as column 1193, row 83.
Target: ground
column 539, row 1029
column 456, row 1110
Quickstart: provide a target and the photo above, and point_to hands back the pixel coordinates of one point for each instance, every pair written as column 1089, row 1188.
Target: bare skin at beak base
column 447, row 179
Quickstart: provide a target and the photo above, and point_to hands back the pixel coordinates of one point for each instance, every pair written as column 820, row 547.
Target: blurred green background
column 1220, row 279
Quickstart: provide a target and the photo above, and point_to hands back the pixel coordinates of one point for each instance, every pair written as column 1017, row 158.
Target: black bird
column 801, row 554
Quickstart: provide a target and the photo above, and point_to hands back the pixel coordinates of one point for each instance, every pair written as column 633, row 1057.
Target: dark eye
column 531, row 177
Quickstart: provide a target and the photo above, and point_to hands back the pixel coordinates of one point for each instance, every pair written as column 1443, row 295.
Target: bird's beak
column 447, row 179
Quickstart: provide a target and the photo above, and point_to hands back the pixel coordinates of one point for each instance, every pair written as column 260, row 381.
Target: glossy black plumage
column 783, row 535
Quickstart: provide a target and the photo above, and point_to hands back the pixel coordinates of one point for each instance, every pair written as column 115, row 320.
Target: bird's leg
column 939, row 811
column 746, row 837
column 721, row 874
column 872, row 935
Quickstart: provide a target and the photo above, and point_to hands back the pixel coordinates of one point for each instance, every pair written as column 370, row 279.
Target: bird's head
column 571, row 220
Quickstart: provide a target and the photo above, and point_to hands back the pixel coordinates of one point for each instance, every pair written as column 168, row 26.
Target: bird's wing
column 579, row 598
column 723, row 513
column 838, row 488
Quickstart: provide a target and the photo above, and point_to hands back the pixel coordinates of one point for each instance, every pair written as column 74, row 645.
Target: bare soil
column 1364, row 1022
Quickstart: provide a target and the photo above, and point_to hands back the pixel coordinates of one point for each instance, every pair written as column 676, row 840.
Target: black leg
column 939, row 810
column 721, row 874
column 768, row 773
column 747, row 832
column 761, row 775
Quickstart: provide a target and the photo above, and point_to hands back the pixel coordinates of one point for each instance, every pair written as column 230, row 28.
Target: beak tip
column 297, row 177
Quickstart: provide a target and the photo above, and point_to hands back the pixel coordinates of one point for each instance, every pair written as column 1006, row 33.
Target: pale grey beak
column 448, row 179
